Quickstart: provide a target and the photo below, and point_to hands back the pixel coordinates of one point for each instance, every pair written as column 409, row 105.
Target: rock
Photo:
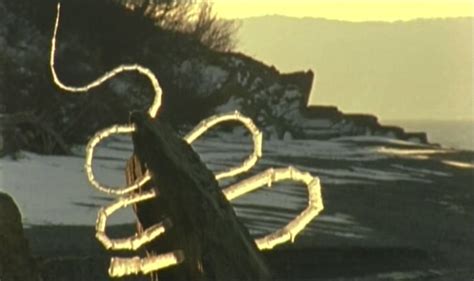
column 16, row 263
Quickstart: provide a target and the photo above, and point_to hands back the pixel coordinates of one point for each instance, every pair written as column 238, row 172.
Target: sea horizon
column 457, row 134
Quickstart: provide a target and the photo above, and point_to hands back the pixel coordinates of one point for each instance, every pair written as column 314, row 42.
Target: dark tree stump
column 215, row 244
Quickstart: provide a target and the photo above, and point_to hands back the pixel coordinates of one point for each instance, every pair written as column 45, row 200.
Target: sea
column 458, row 134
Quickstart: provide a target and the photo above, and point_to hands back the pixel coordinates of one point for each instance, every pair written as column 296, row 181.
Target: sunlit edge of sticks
column 214, row 120
column 192, row 136
column 134, row 265
column 153, row 110
column 133, row 242
column 270, row 176
column 90, row 148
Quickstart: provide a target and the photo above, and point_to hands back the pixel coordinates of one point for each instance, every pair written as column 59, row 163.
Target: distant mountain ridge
column 279, row 16
column 417, row 69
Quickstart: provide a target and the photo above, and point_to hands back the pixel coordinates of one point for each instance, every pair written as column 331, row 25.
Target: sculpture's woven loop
column 270, row 176
column 212, row 121
column 136, row 241
column 143, row 265
column 94, row 141
column 153, row 110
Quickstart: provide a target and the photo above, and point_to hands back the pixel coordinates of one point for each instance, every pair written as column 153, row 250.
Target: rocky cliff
column 96, row 36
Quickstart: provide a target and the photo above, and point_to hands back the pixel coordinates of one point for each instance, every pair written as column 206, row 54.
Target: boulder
column 16, row 263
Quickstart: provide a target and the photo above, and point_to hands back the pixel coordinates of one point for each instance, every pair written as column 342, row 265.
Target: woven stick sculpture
column 126, row 196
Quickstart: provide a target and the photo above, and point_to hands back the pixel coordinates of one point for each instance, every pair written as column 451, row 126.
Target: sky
column 347, row 10
column 453, row 53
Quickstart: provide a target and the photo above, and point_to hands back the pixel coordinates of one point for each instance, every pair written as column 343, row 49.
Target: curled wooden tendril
column 136, row 265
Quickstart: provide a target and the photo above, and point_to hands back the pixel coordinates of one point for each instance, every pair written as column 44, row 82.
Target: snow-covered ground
column 54, row 190
column 370, row 184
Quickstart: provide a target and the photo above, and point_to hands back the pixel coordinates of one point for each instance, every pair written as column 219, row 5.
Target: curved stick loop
column 288, row 232
column 208, row 123
column 133, row 242
column 120, row 267
column 93, row 142
column 153, row 110
column 134, row 265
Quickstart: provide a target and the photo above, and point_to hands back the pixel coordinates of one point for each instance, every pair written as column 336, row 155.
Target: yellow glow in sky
column 348, row 10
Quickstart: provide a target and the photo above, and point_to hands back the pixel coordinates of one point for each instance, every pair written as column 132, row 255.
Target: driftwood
column 216, row 245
